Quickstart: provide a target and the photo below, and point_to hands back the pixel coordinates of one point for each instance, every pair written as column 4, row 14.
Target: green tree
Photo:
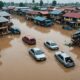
column 41, row 3
column 1, row 4
column 36, row 8
column 12, row 3
column 54, row 3
column 33, row 1
column 21, row 4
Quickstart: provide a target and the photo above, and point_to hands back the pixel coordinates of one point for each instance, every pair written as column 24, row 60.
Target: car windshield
column 39, row 52
column 53, row 44
column 47, row 21
column 32, row 39
column 68, row 59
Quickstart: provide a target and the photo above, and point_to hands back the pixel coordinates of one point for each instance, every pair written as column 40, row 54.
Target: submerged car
column 51, row 45
column 37, row 54
column 65, row 59
column 29, row 40
column 14, row 31
column 67, row 28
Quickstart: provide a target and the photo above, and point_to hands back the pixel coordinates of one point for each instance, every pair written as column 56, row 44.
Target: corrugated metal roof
column 72, row 15
column 56, row 12
column 44, row 12
column 2, row 19
column 40, row 18
column 3, row 13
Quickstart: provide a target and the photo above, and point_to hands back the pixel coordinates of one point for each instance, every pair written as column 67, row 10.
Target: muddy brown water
column 17, row 64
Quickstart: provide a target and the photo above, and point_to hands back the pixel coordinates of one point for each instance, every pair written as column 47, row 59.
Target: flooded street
column 17, row 64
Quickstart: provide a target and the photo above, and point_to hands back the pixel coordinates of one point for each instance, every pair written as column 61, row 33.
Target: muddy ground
column 17, row 64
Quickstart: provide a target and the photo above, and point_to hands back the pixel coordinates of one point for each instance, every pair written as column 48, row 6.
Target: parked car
column 14, row 31
column 37, row 54
column 51, row 45
column 29, row 40
column 42, row 21
column 67, row 27
column 65, row 59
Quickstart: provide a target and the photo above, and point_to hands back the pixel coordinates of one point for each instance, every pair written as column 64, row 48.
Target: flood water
column 17, row 64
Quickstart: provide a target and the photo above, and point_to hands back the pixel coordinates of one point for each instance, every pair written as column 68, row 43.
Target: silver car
column 37, row 54
column 65, row 59
column 51, row 45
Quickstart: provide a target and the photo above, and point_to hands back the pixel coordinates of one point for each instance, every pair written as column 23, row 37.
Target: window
column 48, row 43
column 61, row 57
column 32, row 50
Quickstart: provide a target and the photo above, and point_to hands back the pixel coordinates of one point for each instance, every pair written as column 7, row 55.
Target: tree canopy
column 54, row 3
column 33, row 1
column 41, row 3
column 21, row 4
column 1, row 4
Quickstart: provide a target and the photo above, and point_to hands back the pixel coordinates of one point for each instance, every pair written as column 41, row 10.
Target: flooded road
column 17, row 64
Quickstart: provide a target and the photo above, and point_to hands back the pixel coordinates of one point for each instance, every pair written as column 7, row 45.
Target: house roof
column 44, row 12
column 2, row 19
column 72, row 15
column 40, row 18
column 56, row 12
column 69, row 8
column 3, row 13
column 32, row 12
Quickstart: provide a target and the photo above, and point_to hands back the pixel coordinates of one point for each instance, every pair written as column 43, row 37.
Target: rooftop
column 72, row 15
column 56, row 12
column 40, row 18
column 3, row 13
column 2, row 19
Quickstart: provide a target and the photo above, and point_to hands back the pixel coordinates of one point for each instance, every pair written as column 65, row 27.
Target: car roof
column 50, row 41
column 35, row 49
column 29, row 37
column 62, row 54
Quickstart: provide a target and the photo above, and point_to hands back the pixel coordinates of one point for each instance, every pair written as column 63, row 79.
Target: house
column 70, row 9
column 5, row 14
column 21, row 10
column 56, row 15
column 31, row 14
column 43, row 13
column 42, row 21
column 3, row 25
column 72, row 19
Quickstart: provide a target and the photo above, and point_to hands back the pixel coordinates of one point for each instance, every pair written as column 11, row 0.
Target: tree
column 12, row 3
column 36, row 8
column 1, row 4
column 33, row 1
column 54, row 3
column 41, row 3
column 21, row 4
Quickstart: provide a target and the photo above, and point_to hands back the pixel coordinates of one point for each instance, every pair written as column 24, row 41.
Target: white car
column 65, row 59
column 51, row 45
column 38, row 54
